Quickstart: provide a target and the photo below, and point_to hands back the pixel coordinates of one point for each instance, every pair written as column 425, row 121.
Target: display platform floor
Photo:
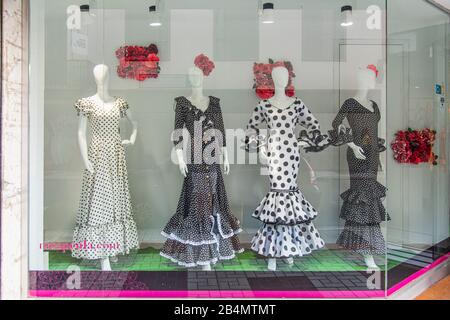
column 327, row 273
column 149, row 260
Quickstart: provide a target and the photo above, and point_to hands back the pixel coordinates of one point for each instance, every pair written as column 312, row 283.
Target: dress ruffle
column 364, row 204
column 364, row 194
column 315, row 140
column 340, row 136
column 280, row 241
column 285, row 208
column 187, row 255
column 363, row 239
column 195, row 231
column 105, row 241
column 381, row 145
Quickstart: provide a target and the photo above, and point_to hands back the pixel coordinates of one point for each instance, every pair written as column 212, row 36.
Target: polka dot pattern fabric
column 288, row 230
column 363, row 239
column 280, row 241
column 211, row 130
column 105, row 226
column 203, row 230
column 363, row 208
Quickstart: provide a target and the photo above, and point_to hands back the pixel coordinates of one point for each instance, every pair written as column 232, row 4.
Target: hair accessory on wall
column 137, row 62
column 415, row 146
column 374, row 69
column 205, row 64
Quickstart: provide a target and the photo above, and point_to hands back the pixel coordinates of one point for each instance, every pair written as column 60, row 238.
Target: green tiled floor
column 150, row 260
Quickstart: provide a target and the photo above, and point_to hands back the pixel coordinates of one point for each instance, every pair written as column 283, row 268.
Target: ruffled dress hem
column 108, row 240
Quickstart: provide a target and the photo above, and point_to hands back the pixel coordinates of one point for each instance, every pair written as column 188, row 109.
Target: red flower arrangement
column 415, row 146
column 205, row 64
column 137, row 62
column 264, row 86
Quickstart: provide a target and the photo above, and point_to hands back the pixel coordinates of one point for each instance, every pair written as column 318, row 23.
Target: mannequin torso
column 201, row 102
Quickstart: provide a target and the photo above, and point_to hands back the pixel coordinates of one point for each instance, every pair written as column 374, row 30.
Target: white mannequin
column 104, row 99
column 199, row 100
column 366, row 80
column 280, row 100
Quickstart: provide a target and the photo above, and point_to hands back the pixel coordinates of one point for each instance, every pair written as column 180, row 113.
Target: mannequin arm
column 263, row 156
column 134, row 125
column 181, row 163
column 358, row 151
column 82, row 128
column 226, row 162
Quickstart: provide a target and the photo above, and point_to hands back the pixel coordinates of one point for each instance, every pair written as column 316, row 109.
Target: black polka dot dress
column 203, row 230
column 105, row 226
column 288, row 229
column 363, row 208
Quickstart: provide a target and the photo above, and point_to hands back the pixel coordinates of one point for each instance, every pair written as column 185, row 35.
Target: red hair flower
column 205, row 64
column 374, row 69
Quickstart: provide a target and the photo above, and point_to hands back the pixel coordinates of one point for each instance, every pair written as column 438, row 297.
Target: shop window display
column 339, row 216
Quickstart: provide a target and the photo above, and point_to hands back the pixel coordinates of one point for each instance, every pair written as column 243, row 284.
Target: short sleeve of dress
column 83, row 108
column 123, row 107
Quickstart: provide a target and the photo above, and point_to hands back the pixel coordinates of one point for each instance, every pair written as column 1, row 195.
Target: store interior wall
column 417, row 61
column 325, row 57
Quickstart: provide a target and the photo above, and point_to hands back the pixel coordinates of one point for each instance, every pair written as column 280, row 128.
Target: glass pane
column 417, row 100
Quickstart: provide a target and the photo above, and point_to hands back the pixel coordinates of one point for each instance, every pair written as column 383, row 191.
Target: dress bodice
column 363, row 122
column 104, row 123
column 205, row 127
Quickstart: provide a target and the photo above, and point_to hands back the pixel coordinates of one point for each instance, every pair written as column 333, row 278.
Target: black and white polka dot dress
column 105, row 226
column 288, row 229
column 363, row 208
column 203, row 229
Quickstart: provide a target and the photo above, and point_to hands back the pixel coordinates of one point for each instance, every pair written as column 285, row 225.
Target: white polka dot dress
column 203, row 230
column 363, row 208
column 105, row 226
column 288, row 229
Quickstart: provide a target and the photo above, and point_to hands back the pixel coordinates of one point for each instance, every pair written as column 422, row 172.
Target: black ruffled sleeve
column 381, row 145
column 340, row 134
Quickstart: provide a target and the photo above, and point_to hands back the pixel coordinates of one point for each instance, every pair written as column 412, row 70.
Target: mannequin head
column 366, row 78
column 196, row 77
column 101, row 74
column 280, row 76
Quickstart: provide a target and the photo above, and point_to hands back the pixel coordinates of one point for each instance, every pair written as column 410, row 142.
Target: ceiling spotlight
column 347, row 16
column 87, row 17
column 267, row 13
column 155, row 20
